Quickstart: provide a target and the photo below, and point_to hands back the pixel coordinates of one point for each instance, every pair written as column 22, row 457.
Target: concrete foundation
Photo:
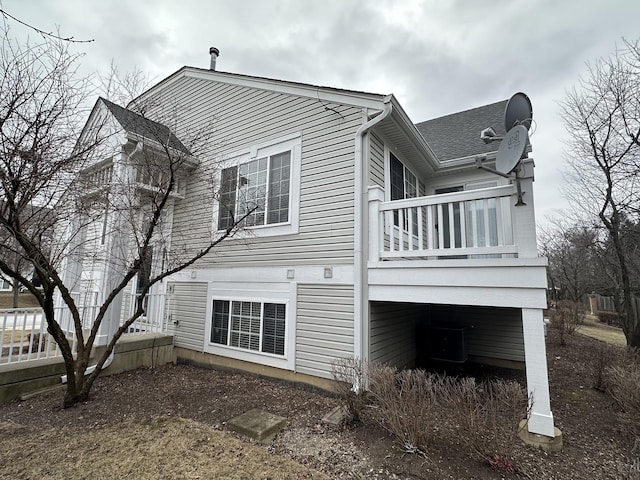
column 207, row 360
column 549, row 444
column 131, row 352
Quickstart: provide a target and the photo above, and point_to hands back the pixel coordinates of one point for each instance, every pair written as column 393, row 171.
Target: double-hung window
column 256, row 326
column 256, row 192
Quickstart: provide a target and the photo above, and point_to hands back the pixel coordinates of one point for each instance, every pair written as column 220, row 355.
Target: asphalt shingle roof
column 136, row 123
column 458, row 135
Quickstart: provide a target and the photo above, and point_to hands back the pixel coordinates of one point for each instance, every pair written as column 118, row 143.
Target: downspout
column 361, row 230
column 109, row 359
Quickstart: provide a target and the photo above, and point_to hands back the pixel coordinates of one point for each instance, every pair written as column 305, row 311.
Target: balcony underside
column 502, row 282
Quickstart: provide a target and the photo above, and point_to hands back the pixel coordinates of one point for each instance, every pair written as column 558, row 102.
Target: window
column 253, row 326
column 404, row 184
column 257, row 191
column 5, row 285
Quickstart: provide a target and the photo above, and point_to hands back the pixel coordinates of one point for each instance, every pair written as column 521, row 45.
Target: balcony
column 473, row 247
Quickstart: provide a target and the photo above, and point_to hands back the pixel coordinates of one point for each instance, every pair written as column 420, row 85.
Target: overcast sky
column 436, row 56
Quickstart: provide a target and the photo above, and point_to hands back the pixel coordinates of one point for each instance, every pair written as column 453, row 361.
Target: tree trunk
column 16, row 293
column 630, row 325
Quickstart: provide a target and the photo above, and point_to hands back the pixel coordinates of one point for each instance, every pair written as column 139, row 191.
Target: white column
column 541, row 419
column 523, row 216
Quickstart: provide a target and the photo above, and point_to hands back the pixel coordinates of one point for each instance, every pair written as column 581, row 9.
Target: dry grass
column 604, row 333
column 25, row 300
column 165, row 447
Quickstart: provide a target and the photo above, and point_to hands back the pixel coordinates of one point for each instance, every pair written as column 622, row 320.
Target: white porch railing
column 24, row 337
column 153, row 318
column 463, row 225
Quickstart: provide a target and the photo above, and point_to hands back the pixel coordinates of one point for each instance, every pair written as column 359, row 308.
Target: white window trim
column 292, row 143
column 286, row 361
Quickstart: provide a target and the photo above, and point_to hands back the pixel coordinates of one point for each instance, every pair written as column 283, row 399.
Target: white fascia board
column 327, row 94
column 409, row 128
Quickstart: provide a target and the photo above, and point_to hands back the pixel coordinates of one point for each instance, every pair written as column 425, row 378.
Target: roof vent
column 214, row 52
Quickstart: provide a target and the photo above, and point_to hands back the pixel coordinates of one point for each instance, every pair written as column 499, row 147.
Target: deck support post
column 541, row 419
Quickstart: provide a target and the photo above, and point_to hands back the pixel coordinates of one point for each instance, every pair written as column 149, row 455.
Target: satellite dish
column 518, row 112
column 511, row 149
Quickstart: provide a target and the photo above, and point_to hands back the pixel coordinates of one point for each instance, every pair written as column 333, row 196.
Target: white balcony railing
column 462, row 225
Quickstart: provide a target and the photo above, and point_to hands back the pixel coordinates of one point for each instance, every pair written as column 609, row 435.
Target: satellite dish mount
column 517, row 121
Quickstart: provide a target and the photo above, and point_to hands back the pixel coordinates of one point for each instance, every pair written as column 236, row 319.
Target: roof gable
column 458, row 135
column 135, row 123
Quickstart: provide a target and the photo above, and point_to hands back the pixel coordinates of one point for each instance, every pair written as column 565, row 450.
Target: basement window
column 256, row 326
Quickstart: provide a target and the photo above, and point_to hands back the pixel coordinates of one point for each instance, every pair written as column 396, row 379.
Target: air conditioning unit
column 447, row 344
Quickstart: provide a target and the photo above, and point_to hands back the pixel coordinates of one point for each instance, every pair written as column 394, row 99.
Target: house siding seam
column 246, row 117
column 324, row 327
column 187, row 305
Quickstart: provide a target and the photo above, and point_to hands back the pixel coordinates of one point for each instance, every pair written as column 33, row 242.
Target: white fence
column 24, row 337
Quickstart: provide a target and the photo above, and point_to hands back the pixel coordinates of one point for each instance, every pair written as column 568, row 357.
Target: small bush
column 419, row 408
column 566, row 318
column 623, row 380
column 602, row 359
column 350, row 376
column 405, row 404
column 488, row 415
column 610, row 318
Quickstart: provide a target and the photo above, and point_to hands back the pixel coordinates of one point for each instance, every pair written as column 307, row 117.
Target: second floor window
column 257, row 191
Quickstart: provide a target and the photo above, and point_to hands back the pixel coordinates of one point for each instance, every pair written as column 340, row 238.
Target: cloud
column 436, row 56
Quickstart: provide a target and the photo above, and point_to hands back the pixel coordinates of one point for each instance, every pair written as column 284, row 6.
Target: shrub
column 566, row 318
column 602, row 359
column 405, row 404
column 610, row 318
column 622, row 382
column 350, row 376
column 419, row 408
column 488, row 415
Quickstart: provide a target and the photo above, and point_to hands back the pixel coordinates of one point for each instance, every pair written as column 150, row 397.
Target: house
column 370, row 235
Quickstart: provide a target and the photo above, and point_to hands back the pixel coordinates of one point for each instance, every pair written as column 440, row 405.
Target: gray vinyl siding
column 187, row 305
column 245, row 117
column 376, row 167
column 324, row 327
column 490, row 332
column 392, row 333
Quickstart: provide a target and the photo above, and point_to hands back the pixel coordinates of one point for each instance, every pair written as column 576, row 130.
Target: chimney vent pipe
column 214, row 52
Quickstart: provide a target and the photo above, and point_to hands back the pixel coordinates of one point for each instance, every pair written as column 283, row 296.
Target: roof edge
column 330, row 94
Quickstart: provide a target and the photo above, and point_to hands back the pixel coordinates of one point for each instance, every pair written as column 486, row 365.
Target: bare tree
column 108, row 197
column 573, row 262
column 602, row 116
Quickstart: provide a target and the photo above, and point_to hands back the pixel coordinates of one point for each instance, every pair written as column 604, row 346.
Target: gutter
column 361, row 230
